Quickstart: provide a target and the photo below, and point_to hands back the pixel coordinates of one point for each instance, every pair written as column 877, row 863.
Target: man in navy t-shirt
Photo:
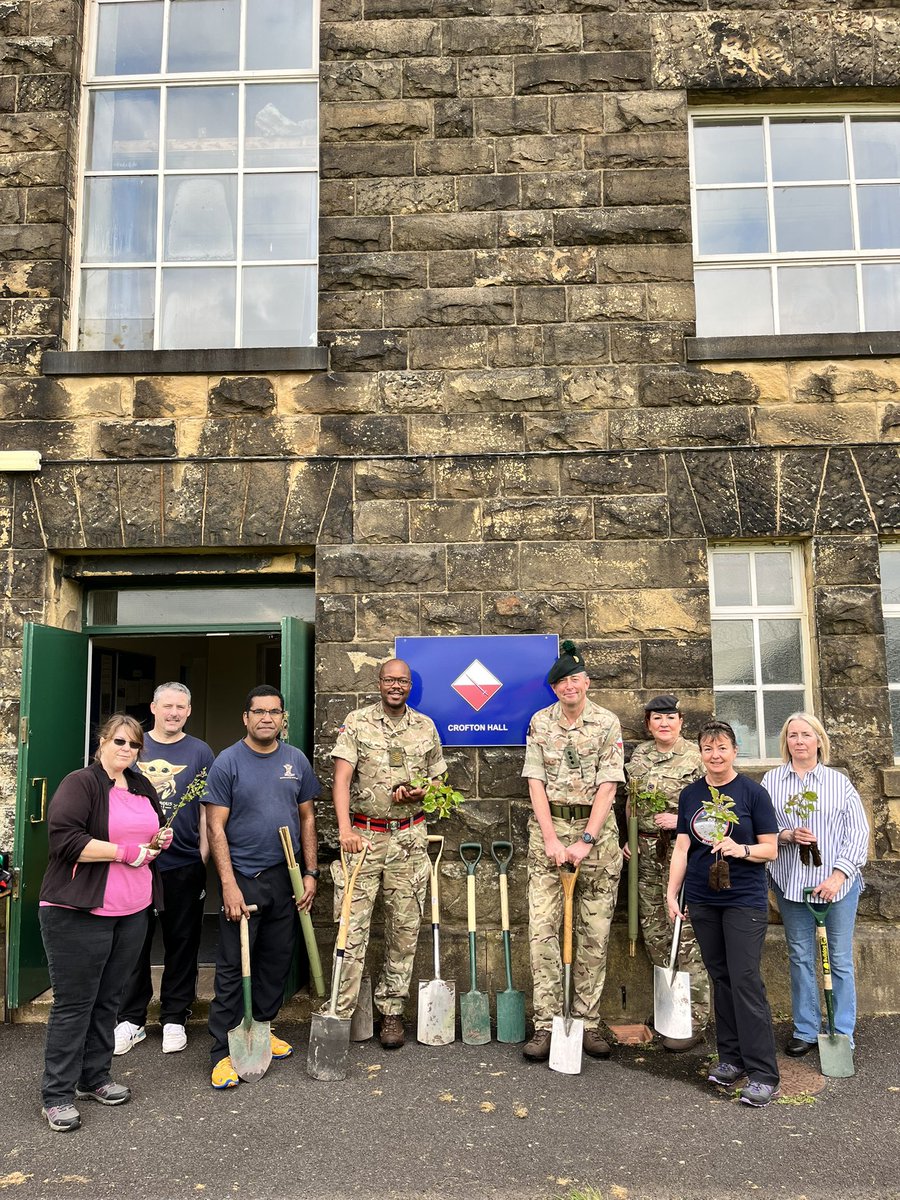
column 171, row 759
column 254, row 787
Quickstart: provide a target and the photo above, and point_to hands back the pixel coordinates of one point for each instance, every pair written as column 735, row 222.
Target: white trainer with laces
column 127, row 1036
column 174, row 1038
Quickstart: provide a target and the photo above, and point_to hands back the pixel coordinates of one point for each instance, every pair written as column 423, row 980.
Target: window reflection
column 197, row 307
column 204, row 35
column 817, row 299
column 733, row 221
column 129, row 38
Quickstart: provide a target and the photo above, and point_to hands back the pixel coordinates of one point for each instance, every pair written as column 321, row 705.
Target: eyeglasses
column 266, row 712
column 120, row 741
column 397, row 682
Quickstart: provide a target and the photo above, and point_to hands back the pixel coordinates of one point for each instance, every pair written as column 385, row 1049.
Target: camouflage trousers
column 657, row 930
column 595, row 901
column 397, row 865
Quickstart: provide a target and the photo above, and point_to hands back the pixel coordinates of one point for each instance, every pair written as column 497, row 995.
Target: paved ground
column 457, row 1121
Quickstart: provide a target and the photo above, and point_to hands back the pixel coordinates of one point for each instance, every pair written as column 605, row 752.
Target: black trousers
column 90, row 959
column 184, row 889
column 273, row 933
column 731, row 942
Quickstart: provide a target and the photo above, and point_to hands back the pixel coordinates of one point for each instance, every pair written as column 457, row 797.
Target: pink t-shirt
column 128, row 889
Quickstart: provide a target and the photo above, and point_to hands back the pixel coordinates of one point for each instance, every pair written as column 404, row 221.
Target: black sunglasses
column 120, row 741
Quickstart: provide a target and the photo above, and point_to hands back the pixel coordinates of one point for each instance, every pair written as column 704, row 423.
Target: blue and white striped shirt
column 839, row 824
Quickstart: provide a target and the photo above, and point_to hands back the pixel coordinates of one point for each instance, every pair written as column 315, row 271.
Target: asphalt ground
column 457, row 1121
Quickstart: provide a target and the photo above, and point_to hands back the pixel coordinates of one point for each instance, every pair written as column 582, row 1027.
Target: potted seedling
column 719, row 811
column 800, row 807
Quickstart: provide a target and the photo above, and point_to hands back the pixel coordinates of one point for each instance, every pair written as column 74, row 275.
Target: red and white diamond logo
column 476, row 685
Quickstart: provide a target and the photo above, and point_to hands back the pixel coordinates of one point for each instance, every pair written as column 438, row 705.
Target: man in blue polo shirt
column 254, row 787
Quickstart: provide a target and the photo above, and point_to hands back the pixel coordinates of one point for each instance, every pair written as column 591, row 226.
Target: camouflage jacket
column 666, row 771
column 595, row 738
column 385, row 754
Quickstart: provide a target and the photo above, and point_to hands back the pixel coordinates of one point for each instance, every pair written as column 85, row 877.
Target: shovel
column 835, row 1051
column 361, row 1026
column 568, row 1032
column 250, row 1042
column 437, row 997
column 474, row 1011
column 511, row 1003
column 309, row 934
column 672, row 990
column 329, row 1034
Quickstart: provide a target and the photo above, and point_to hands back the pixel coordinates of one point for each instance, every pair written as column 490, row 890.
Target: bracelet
column 746, row 851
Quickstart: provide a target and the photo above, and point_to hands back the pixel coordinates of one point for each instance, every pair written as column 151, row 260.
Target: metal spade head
column 329, row 1047
column 437, row 1012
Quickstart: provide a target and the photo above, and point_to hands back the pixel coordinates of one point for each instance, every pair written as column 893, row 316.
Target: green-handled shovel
column 511, row 1003
column 250, row 1042
column 474, row 1010
column 835, row 1051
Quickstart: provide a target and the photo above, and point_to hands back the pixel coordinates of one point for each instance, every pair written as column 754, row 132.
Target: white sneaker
column 127, row 1036
column 174, row 1038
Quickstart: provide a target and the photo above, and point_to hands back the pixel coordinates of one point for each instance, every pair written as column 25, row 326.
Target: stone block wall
column 509, row 437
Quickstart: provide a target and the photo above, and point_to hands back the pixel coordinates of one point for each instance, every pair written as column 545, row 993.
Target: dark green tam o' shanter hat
column 569, row 662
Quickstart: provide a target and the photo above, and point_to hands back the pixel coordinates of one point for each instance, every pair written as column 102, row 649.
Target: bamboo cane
column 309, row 934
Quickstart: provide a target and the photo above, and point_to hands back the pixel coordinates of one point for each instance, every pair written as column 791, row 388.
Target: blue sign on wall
column 480, row 691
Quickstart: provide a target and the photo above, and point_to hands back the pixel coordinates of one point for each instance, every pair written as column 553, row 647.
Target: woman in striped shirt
column 838, row 830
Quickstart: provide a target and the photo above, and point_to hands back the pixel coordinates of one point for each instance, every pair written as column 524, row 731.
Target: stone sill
column 793, row 345
column 255, row 360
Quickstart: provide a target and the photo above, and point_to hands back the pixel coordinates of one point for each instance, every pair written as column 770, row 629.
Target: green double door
column 53, row 742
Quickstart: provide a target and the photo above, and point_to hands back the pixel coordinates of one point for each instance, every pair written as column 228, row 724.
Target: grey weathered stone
column 252, row 394
column 368, row 350
column 585, row 72
column 393, row 479
column 363, row 435
column 508, row 520
column 525, row 612
column 453, row 119
column 140, row 439
column 386, row 614
column 843, row 611
column 453, row 614
column 344, row 81
column 456, row 521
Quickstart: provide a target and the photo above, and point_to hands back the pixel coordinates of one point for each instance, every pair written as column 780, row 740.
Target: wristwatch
column 312, row 874
column 746, row 850
column 589, row 838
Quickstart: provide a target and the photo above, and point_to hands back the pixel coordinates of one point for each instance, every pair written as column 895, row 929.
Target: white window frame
column 891, row 612
column 756, row 612
column 771, row 260
column 163, row 80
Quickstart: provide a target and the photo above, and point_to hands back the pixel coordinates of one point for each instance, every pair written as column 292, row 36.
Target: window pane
column 881, row 295
column 200, row 217
column 729, row 153
column 734, row 303
column 197, row 308
column 777, row 707
column 279, row 34
column 739, row 710
column 199, row 606
column 201, row 127
column 281, row 125
column 890, row 578
column 733, row 222
column 123, row 130
column 879, row 216
column 732, row 652
column 774, row 578
column 280, row 216
column 892, row 648
column 876, row 148
column 813, row 218
column 731, row 579
column 116, row 310
column 818, row 300
column 204, row 35
column 895, row 721
column 120, row 219
column 781, row 660
column 129, row 38
column 808, row 150
column 279, row 306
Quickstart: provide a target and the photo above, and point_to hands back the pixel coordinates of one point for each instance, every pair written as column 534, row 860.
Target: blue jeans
column 800, row 934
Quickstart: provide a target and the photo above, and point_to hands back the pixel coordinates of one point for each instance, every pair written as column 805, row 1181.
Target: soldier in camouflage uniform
column 573, row 761
column 666, row 764
column 379, row 749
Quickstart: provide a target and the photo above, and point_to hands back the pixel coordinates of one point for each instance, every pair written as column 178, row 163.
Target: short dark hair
column 712, row 728
column 264, row 689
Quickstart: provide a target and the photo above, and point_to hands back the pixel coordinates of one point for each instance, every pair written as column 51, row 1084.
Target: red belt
column 382, row 824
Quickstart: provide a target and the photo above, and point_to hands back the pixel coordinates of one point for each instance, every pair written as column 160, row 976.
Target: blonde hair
column 823, row 752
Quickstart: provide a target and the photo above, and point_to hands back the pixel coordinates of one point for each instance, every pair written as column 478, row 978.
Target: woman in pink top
column 104, row 833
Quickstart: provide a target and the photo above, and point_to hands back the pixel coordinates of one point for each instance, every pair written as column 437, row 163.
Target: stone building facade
column 509, row 425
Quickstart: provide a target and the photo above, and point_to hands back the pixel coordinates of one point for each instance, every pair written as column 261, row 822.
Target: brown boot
column 391, row 1034
column 594, row 1045
column 538, row 1049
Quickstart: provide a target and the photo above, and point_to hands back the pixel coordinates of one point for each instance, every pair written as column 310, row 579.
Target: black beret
column 569, row 662
column 662, row 704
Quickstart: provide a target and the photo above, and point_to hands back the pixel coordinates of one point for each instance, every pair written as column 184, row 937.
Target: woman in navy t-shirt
column 730, row 922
